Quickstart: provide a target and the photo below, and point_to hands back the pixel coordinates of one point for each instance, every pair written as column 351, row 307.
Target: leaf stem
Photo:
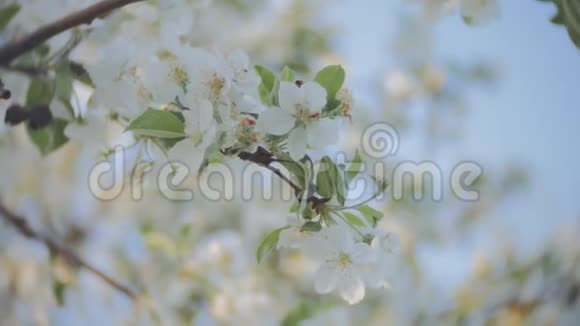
column 339, row 208
column 349, row 224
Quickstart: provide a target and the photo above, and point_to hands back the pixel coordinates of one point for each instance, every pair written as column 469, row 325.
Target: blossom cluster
column 199, row 107
column 145, row 74
column 222, row 105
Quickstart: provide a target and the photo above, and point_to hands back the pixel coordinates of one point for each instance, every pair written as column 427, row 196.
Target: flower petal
column 322, row 133
column 289, row 95
column 205, row 115
column 339, row 238
column 239, row 59
column 297, row 143
column 276, row 122
column 363, row 254
column 157, row 80
column 374, row 275
column 351, row 288
column 315, row 96
column 316, row 247
column 326, row 279
column 199, row 117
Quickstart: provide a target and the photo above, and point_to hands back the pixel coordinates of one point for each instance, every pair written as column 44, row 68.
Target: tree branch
column 277, row 172
column 264, row 158
column 18, row 47
column 20, row 224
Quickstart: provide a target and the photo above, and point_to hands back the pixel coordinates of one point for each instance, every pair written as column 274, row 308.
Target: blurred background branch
column 21, row 225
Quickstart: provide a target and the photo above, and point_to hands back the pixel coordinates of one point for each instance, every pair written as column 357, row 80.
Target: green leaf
column 568, row 14
column 268, row 87
column 265, row 95
column 167, row 143
column 64, row 87
column 467, row 20
column 7, row 13
column 63, row 84
column 50, row 138
column 331, row 78
column 268, row 77
column 58, row 289
column 288, row 74
column 268, row 244
column 40, row 91
column 381, row 184
column 294, row 168
column 157, row 123
column 179, row 115
column 294, row 207
column 370, row 214
column 311, row 227
column 329, row 180
column 340, row 186
column 355, row 167
column 333, row 107
column 325, row 179
column 353, row 219
column 307, row 212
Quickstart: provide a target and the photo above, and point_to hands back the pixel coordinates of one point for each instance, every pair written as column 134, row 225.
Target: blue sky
column 529, row 117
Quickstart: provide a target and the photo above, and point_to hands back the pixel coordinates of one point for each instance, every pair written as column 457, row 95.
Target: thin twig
column 279, row 173
column 264, row 158
column 20, row 224
column 18, row 47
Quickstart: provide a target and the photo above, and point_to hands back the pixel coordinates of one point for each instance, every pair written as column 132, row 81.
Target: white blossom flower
column 243, row 135
column 200, row 127
column 210, row 77
column 300, row 116
column 386, row 246
column 165, row 79
column 347, row 101
column 245, row 81
column 242, row 302
column 386, row 242
column 400, row 84
column 479, row 11
column 117, row 91
column 342, row 264
column 218, row 256
column 244, row 77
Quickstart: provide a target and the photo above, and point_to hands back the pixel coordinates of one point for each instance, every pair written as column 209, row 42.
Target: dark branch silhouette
column 18, row 47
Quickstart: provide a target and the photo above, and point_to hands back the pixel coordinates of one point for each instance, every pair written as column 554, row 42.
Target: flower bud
column 39, row 117
column 15, row 115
